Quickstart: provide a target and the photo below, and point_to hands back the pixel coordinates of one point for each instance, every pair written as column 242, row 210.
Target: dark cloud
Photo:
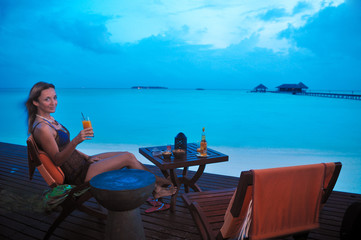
column 273, row 14
column 48, row 20
column 333, row 32
column 328, row 53
column 301, row 6
column 87, row 32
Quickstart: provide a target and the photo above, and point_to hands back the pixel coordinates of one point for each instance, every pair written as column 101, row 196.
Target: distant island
column 148, row 87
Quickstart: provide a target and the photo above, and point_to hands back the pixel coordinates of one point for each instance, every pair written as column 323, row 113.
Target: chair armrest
column 331, row 184
column 200, row 219
column 245, row 180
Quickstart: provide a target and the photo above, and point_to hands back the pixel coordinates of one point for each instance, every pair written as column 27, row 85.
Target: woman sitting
column 53, row 138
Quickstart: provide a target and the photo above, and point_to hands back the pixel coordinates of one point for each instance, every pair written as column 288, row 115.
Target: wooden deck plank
column 27, row 222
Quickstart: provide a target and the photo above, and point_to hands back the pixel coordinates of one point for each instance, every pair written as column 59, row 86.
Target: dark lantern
column 180, row 141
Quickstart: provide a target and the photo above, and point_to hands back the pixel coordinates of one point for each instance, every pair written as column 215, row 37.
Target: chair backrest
column 279, row 201
column 53, row 175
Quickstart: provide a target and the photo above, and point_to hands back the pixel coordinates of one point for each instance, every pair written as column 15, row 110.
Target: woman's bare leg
column 113, row 161
column 118, row 160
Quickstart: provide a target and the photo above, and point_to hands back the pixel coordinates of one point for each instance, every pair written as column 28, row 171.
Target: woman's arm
column 45, row 135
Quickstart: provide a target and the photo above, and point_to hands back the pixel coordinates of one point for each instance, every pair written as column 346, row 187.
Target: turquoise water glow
column 256, row 130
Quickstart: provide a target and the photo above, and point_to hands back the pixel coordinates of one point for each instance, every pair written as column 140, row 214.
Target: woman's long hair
column 34, row 95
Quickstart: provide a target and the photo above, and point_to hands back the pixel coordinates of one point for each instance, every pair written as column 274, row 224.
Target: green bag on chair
column 52, row 198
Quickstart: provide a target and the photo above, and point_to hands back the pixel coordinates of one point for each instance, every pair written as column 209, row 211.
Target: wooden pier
column 22, row 218
column 332, row 95
column 324, row 94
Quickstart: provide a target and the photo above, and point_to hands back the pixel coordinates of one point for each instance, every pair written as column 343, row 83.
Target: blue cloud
column 53, row 20
column 273, row 14
column 85, row 31
column 334, row 31
column 301, row 7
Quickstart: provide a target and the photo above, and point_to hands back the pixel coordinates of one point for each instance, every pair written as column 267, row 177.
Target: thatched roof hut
column 260, row 88
column 294, row 88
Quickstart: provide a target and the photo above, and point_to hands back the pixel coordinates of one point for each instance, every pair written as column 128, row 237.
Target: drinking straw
column 83, row 116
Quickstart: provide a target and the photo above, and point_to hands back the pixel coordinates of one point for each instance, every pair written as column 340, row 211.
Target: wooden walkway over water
column 20, row 218
column 332, row 95
column 323, row 94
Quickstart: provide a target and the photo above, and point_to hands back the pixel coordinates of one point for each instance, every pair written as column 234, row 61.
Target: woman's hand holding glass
column 87, row 126
column 85, row 134
column 88, row 133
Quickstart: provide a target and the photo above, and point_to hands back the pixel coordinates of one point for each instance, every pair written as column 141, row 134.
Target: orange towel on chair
column 286, row 200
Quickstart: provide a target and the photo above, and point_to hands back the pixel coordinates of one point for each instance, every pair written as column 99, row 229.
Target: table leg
column 184, row 176
column 175, row 180
column 188, row 183
column 192, row 182
column 165, row 173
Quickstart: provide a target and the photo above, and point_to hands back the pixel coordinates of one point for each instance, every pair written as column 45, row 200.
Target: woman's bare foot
column 160, row 191
column 163, row 181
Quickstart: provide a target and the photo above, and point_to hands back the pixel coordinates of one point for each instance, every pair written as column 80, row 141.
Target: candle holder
column 180, row 141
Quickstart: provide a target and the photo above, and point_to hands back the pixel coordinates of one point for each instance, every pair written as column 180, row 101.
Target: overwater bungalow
column 260, row 88
column 292, row 88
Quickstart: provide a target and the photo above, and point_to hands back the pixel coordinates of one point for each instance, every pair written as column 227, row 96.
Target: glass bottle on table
column 203, row 145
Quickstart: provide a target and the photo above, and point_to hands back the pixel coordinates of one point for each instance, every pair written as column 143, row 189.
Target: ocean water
column 256, row 130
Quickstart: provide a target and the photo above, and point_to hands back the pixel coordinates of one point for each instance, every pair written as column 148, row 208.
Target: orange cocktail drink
column 86, row 124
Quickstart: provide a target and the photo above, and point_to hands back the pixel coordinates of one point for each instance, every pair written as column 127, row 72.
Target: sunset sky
column 235, row 44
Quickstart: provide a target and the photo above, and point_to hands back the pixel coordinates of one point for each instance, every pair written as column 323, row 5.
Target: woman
column 54, row 139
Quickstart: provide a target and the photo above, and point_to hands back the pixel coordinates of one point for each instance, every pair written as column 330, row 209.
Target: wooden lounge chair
column 54, row 176
column 267, row 203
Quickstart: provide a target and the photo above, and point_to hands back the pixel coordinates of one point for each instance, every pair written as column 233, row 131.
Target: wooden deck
column 22, row 218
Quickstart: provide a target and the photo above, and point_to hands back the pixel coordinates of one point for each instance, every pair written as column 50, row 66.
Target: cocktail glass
column 86, row 123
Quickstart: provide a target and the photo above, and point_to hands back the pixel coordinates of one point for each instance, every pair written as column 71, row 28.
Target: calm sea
column 257, row 130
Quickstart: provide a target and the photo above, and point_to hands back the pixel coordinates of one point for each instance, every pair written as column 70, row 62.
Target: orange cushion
column 54, row 171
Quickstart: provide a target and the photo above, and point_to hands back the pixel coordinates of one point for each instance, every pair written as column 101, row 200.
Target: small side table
column 168, row 166
column 122, row 192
